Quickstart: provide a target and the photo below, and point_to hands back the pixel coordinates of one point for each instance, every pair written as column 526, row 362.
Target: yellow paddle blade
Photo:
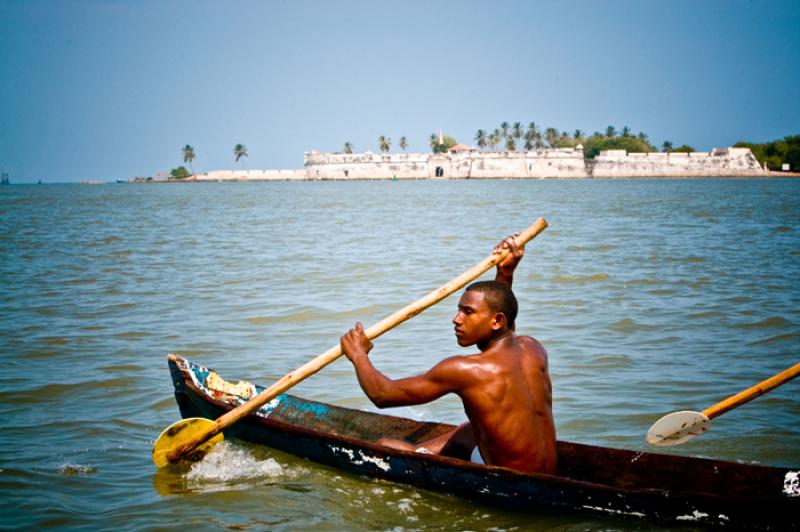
column 181, row 432
column 677, row 427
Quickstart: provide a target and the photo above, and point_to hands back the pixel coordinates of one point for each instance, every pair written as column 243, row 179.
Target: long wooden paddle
column 678, row 427
column 193, row 437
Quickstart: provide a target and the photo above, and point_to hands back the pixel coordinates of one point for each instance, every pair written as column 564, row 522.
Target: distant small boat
column 122, row 181
column 4, row 179
column 629, row 484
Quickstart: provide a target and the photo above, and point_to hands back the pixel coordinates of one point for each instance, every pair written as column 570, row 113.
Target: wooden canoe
column 650, row 486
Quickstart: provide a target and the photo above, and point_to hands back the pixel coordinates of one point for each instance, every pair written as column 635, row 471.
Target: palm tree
column 551, row 134
column 528, row 143
column 241, row 152
column 533, row 136
column 666, row 147
column 403, row 143
column 511, row 145
column 611, row 131
column 516, row 131
column 504, row 128
column 626, row 131
column 578, row 135
column 384, row 143
column 481, row 138
column 348, row 147
column 529, row 138
column 188, row 156
column 495, row 137
column 434, row 141
column 643, row 136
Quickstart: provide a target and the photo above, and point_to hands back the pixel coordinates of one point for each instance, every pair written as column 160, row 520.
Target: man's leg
column 457, row 443
column 396, row 444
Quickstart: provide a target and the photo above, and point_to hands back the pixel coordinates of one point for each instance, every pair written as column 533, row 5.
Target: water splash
column 228, row 464
column 70, row 469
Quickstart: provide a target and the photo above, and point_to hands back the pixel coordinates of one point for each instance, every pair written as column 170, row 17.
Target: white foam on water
column 406, row 507
column 227, row 463
column 70, row 469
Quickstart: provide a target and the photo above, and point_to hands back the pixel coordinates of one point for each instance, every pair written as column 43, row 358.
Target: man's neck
column 501, row 336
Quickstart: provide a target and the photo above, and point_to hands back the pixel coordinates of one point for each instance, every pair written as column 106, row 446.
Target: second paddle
column 679, row 427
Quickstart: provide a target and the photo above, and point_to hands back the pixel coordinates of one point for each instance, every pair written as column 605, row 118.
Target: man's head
column 486, row 308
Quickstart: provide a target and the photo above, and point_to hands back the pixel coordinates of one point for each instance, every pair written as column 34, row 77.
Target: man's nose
column 457, row 318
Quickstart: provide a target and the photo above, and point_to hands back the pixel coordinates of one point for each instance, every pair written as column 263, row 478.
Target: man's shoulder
column 529, row 343
column 455, row 362
column 527, row 339
column 460, row 370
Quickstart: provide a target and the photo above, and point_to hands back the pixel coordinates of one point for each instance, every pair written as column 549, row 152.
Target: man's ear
column 499, row 321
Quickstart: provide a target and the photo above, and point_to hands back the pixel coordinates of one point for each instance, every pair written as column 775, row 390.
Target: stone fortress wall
column 538, row 164
column 720, row 162
column 459, row 165
column 251, row 175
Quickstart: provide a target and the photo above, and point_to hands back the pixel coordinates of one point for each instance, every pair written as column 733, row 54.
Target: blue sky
column 113, row 89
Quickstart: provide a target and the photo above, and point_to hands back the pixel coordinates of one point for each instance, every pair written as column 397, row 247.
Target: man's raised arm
column 384, row 392
column 505, row 269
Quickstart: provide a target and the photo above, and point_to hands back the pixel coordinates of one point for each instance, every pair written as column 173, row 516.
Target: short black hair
column 499, row 297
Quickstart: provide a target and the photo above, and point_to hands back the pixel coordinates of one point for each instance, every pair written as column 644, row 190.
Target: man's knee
column 396, row 444
column 460, row 443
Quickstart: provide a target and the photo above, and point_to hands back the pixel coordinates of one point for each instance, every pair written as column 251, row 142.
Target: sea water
column 650, row 295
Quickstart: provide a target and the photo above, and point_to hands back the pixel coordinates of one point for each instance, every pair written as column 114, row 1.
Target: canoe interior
column 647, row 477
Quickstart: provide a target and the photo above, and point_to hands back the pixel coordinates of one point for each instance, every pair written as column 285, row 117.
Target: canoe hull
column 590, row 478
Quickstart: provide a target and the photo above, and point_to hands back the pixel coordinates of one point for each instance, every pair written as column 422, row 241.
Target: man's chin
column 463, row 342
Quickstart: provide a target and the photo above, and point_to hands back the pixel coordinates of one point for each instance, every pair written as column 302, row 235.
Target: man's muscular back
column 508, row 400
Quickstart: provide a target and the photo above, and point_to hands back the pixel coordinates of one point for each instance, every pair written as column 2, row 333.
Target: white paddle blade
column 677, row 427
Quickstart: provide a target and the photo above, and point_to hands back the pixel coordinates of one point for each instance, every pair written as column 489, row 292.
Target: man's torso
column 509, row 405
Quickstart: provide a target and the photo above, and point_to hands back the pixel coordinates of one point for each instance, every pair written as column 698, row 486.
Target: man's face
column 474, row 319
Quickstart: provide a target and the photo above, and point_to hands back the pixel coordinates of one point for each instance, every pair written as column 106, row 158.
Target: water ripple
column 674, row 294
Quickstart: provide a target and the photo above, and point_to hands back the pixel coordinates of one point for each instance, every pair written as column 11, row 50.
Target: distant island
column 526, row 153
column 461, row 162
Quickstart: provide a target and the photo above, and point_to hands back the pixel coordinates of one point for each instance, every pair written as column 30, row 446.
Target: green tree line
column 776, row 153
column 517, row 136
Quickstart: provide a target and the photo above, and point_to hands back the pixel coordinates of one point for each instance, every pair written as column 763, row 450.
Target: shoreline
column 466, row 163
column 766, row 175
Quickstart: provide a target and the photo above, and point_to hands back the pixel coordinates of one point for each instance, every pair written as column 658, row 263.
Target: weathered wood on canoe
column 589, row 478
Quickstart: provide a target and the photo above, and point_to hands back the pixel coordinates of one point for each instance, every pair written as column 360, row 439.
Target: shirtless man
column 505, row 388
